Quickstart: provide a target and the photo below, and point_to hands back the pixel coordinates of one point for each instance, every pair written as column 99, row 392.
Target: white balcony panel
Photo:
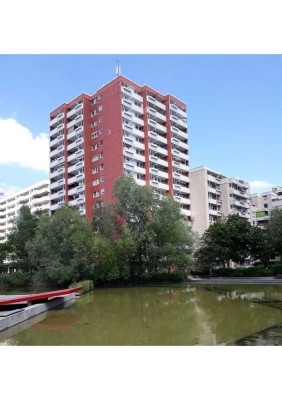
column 57, row 195
column 132, row 94
column 55, row 206
column 182, row 114
column 75, row 134
column 55, row 132
column 58, row 141
column 57, row 173
column 155, row 102
column 75, row 144
column 77, row 120
column 140, row 182
column 57, row 184
column 75, row 110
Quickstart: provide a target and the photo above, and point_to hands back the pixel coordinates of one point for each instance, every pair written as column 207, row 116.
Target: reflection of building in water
column 206, row 336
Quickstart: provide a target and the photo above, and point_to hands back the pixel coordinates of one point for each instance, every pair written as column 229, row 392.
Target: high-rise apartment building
column 214, row 195
column 36, row 197
column 123, row 128
column 265, row 202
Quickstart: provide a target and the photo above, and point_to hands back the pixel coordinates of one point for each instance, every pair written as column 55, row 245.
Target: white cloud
column 261, row 186
column 7, row 189
column 19, row 147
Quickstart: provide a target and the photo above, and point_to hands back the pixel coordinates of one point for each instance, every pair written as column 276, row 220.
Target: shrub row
column 16, row 279
column 87, row 286
column 258, row 271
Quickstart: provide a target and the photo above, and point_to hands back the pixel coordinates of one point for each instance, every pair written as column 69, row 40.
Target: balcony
column 77, row 190
column 75, row 156
column 178, row 122
column 159, row 185
column 58, row 119
column 57, row 195
column 155, row 115
column 182, row 200
column 57, row 162
column 130, row 93
column 57, row 184
column 58, row 130
column 181, row 114
column 59, row 172
column 75, row 121
column 76, row 144
column 154, row 126
column 75, row 134
column 77, row 109
column 156, row 103
column 58, row 141
column 75, row 168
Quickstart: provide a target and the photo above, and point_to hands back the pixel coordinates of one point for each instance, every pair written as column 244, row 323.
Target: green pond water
column 170, row 315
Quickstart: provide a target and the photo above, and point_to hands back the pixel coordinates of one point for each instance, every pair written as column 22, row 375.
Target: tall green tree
column 61, row 248
column 226, row 239
column 262, row 246
column 23, row 231
column 274, row 229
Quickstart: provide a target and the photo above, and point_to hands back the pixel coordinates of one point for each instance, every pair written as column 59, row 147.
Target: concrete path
column 234, row 281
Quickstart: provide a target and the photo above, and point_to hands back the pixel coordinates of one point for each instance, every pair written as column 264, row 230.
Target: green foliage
column 261, row 245
column 87, row 286
column 274, row 229
column 16, row 246
column 258, row 271
column 16, row 279
column 61, row 248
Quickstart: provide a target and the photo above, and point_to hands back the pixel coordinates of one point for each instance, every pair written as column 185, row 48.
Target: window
column 100, row 119
column 94, row 101
column 93, row 113
column 101, row 142
column 101, row 154
column 102, row 179
column 101, row 167
column 100, row 108
column 95, row 147
column 101, row 130
column 95, row 158
column 96, row 194
column 95, row 123
column 102, row 191
column 99, row 96
column 95, row 170
column 96, row 182
column 94, row 135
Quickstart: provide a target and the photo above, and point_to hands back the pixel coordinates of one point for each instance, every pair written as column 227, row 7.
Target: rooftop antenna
column 118, row 68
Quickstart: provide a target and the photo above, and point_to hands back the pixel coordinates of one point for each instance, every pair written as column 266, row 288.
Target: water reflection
column 176, row 315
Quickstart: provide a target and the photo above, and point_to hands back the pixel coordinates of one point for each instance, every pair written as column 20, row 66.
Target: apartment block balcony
column 179, row 165
column 77, row 109
column 75, row 134
column 154, row 102
column 158, row 161
column 181, row 188
column 132, row 106
column 178, row 122
column 155, row 126
column 77, row 190
column 58, row 119
column 57, row 162
column 74, row 146
column 157, row 149
column 58, row 184
column 181, row 145
column 178, row 133
column 131, row 94
column 59, row 140
column 155, row 115
column 156, row 172
column 182, row 200
column 57, row 195
column 239, row 193
column 57, row 151
column 156, row 138
column 75, row 156
column 159, row 185
column 175, row 109
column 59, row 172
column 76, row 120
column 77, row 201
column 177, row 154
column 57, row 131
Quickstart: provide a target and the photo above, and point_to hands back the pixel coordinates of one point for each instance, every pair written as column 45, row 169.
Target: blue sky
column 234, row 108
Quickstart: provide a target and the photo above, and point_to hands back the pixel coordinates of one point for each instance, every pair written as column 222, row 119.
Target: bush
column 276, row 269
column 87, row 286
column 16, row 279
column 258, row 271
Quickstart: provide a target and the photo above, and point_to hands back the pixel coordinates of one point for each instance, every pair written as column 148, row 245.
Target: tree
column 61, row 248
column 23, row 231
column 224, row 240
column 3, row 255
column 274, row 228
column 261, row 245
column 163, row 241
